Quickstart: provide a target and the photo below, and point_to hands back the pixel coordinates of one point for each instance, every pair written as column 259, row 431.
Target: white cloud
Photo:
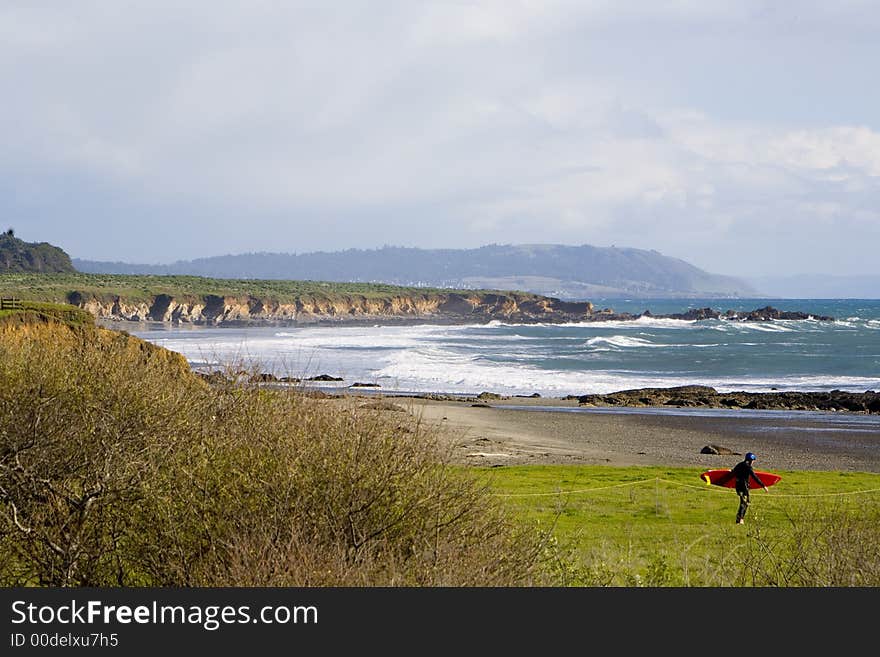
column 853, row 147
column 504, row 121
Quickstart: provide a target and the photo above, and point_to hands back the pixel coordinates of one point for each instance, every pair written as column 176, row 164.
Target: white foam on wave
column 399, row 336
column 641, row 322
column 765, row 327
column 263, row 354
column 363, row 337
column 619, row 342
column 439, row 358
column 775, row 325
column 424, row 372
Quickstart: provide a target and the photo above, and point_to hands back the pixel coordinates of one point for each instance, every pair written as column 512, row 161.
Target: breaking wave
column 562, row 359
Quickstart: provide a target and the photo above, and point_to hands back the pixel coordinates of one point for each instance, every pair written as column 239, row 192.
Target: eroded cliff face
column 452, row 307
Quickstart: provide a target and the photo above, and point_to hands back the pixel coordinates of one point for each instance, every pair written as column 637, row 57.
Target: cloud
column 690, row 127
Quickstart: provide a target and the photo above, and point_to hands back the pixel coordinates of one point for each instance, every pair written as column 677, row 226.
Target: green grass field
column 665, row 527
column 134, row 288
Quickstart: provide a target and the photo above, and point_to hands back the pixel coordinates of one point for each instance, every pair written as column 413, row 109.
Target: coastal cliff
column 213, row 302
column 241, row 310
column 452, row 307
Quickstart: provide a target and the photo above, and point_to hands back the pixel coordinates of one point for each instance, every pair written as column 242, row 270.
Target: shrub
column 838, row 546
column 118, row 466
column 81, row 412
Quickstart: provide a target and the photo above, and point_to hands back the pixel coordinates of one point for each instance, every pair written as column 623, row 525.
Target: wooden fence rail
column 10, row 303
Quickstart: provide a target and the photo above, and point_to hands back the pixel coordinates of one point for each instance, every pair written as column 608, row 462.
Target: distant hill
column 568, row 272
column 19, row 256
column 820, row 286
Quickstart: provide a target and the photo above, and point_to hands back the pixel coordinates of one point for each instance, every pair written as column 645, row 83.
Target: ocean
column 556, row 360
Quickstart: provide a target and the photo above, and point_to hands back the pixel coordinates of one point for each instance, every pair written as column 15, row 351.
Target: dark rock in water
column 358, row 384
column 480, row 405
column 324, row 377
column 716, row 449
column 696, row 314
column 489, row 395
column 534, row 395
column 769, row 313
column 690, row 396
column 766, row 314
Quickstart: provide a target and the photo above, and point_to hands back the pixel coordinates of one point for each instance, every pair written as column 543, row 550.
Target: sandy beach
column 497, row 433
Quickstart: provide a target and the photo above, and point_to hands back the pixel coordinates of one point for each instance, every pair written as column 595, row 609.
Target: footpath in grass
column 625, row 521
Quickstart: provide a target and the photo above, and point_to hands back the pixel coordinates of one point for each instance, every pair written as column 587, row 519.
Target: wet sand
column 496, row 434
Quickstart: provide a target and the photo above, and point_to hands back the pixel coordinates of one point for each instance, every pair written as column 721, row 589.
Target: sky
column 742, row 137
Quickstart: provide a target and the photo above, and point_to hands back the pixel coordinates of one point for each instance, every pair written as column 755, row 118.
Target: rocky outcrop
column 766, row 314
column 704, row 396
column 717, row 450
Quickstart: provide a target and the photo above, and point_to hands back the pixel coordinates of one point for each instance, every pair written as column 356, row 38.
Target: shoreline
column 493, row 430
column 552, row 311
column 496, row 435
column 669, row 400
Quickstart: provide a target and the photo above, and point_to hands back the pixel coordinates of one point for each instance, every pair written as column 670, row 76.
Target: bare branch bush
column 78, row 423
column 118, row 466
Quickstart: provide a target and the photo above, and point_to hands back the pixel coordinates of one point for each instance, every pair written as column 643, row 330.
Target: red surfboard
column 725, row 478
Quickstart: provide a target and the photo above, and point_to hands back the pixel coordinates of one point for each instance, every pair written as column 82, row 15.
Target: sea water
column 556, row 360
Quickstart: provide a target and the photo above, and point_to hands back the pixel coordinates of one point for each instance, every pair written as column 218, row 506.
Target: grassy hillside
column 19, row 256
column 36, row 311
column 61, row 287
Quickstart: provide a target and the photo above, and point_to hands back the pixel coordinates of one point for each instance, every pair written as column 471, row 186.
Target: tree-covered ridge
column 570, row 272
column 16, row 255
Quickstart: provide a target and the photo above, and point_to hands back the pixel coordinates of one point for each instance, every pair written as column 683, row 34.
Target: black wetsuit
column 744, row 473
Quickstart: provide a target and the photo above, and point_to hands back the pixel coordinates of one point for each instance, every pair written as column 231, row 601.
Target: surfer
column 744, row 473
